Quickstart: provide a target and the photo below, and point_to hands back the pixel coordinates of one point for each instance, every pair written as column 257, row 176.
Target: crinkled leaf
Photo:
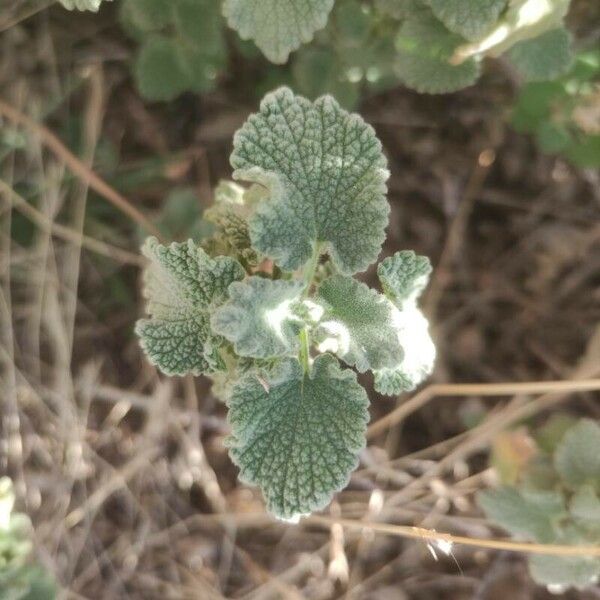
column 469, row 18
column 523, row 20
column 326, row 174
column 183, row 285
column 357, row 324
column 278, row 27
column 564, row 571
column 404, row 276
column 577, row 457
column 259, row 317
column 424, row 49
column 530, row 514
column 92, row 5
column 544, row 57
column 298, row 441
column 418, row 353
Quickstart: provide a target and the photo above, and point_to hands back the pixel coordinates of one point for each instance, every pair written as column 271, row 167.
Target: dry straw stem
column 428, row 535
column 478, row 389
column 77, row 167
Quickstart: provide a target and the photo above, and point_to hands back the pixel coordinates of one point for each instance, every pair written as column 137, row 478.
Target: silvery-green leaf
column 298, row 441
column 92, row 5
column 357, row 324
column 259, row 319
column 183, row 285
column 469, row 18
column 562, row 572
column 425, row 47
column 577, row 457
column 544, row 57
column 326, row 175
column 585, row 505
column 418, row 353
column 404, row 276
column 530, row 514
column 277, row 27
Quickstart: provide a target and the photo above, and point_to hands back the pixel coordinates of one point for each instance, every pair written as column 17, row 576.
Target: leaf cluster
column 269, row 307
column 432, row 46
column 556, row 499
column 563, row 114
column 19, row 578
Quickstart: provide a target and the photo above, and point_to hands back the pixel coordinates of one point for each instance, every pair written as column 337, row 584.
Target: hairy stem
column 311, row 268
column 304, row 350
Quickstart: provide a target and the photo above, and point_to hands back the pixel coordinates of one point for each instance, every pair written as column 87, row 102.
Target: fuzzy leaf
column 183, row 285
column 404, row 276
column 544, row 57
column 92, row 5
column 278, row 27
column 577, row 457
column 418, row 356
column 259, row 317
column 298, row 441
column 564, row 571
column 424, row 49
column 357, row 324
column 326, row 174
column 469, row 18
column 529, row 514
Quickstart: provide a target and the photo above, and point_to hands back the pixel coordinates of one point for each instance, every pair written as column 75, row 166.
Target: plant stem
column 304, row 350
column 311, row 268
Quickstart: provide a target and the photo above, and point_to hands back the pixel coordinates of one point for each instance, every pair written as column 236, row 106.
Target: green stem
column 311, row 268
column 304, row 350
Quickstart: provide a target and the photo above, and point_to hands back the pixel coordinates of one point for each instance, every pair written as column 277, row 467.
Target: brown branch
column 78, row 168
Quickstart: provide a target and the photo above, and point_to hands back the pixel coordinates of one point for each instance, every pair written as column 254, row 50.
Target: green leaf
column 418, row 356
column 357, row 324
column 149, row 15
column 277, row 27
column 326, row 174
column 159, row 71
column 585, row 505
column 564, row 571
column 530, row 514
column 259, row 318
column 469, row 18
column 544, row 57
column 298, row 441
column 92, row 5
column 399, row 9
column 404, row 276
column 577, row 457
column 424, row 49
column 183, row 285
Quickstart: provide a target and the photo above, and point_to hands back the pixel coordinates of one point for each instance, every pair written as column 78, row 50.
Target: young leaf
column 183, row 285
column 298, row 441
column 564, row 571
column 544, row 57
column 92, row 5
column 577, row 457
column 424, row 49
column 418, row 356
column 278, row 27
column 530, row 514
column 357, row 324
column 469, row 18
column 404, row 276
column 259, row 317
column 326, row 174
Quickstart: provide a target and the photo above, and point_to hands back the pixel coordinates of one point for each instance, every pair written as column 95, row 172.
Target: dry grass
column 125, row 473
